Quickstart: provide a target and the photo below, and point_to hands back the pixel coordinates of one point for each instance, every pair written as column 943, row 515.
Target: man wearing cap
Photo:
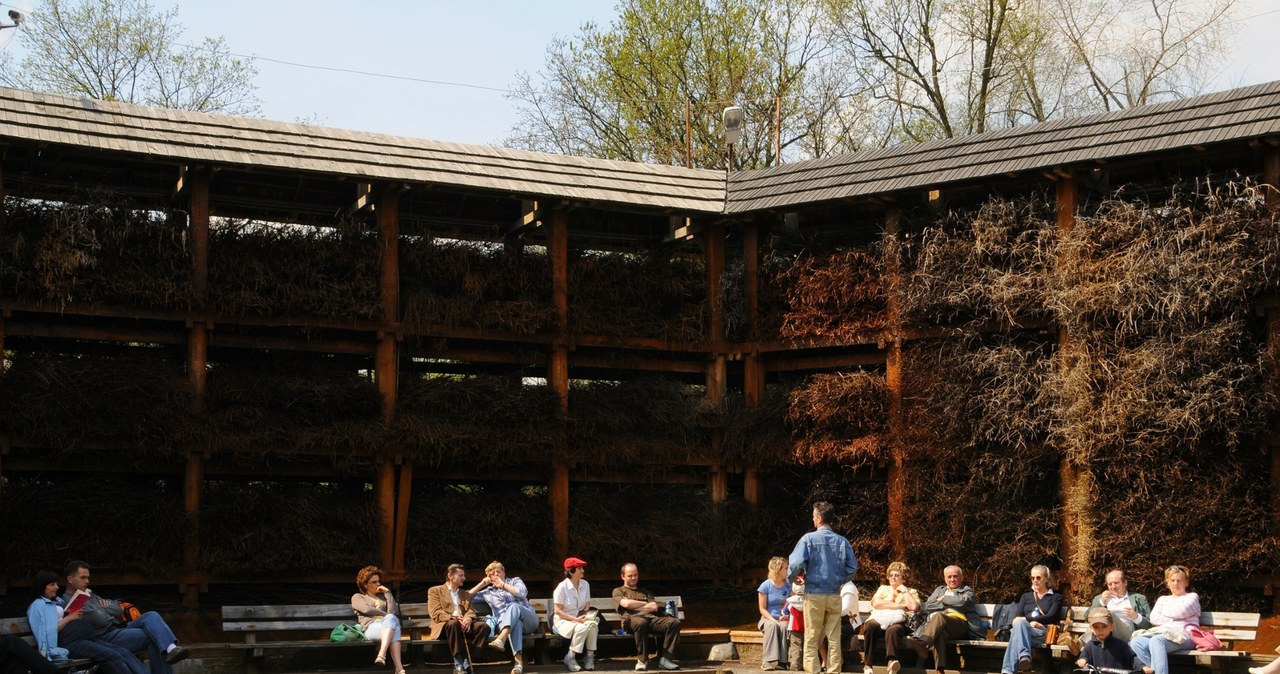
column 573, row 618
column 1129, row 610
column 1105, row 649
column 827, row 561
column 453, row 618
column 639, row 611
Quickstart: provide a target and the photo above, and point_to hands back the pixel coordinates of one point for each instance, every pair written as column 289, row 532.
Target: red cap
column 571, row 562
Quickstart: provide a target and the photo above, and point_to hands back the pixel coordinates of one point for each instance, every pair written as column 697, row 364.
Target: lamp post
column 16, row 17
column 732, row 121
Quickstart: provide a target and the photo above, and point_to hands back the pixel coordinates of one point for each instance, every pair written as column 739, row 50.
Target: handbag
column 887, row 616
column 344, row 633
column 1051, row 634
column 1204, row 640
column 914, row 620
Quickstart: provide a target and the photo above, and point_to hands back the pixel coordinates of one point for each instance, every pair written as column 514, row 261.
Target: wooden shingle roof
column 241, row 141
column 1234, row 115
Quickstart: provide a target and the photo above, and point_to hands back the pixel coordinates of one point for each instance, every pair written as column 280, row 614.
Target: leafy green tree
column 622, row 92
column 125, row 50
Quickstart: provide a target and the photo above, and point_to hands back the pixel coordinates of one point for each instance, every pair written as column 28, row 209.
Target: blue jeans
column 1154, row 651
column 1022, row 638
column 147, row 632
column 374, row 631
column 113, row 658
column 515, row 613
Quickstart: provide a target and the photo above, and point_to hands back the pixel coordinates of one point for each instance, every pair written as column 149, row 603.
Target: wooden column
column 895, row 491
column 393, row 528
column 717, row 370
column 753, row 376
column 1076, row 520
column 1271, row 176
column 197, row 181
column 558, row 374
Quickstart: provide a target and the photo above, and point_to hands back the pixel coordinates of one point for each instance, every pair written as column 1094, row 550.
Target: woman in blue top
column 1036, row 611
column 46, row 617
column 773, row 594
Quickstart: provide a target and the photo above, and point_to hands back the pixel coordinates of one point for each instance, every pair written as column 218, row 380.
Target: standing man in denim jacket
column 826, row 561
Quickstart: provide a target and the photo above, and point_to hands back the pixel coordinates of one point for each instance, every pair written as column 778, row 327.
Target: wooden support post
column 192, row 493
column 718, row 484
column 559, row 495
column 751, row 278
column 895, row 491
column 199, row 209
column 1271, row 176
column 385, row 492
column 558, row 373
column 751, row 486
column 1076, row 519
column 386, row 359
column 402, row 517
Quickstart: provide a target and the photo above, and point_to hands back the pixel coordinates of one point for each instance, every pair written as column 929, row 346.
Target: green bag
column 344, row 632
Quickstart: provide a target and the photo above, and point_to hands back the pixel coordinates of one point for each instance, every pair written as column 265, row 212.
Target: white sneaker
column 894, row 667
column 667, row 664
column 641, row 665
column 518, row 669
column 571, row 662
column 589, row 663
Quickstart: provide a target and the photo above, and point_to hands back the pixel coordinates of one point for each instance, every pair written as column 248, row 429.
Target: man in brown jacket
column 453, row 618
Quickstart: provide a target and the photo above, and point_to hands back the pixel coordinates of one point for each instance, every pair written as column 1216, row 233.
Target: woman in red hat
column 574, row 619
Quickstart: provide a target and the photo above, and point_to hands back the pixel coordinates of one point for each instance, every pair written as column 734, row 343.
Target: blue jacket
column 42, row 615
column 826, row 559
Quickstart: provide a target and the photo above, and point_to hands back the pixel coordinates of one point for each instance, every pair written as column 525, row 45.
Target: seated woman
column 376, row 610
column 774, row 615
column 889, row 608
column 512, row 617
column 573, row 618
column 1170, row 617
column 1036, row 611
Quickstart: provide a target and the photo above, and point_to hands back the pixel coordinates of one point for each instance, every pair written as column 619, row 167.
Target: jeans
column 374, row 631
column 113, row 658
column 1154, row 651
column 822, row 618
column 147, row 632
column 1022, row 638
column 515, row 613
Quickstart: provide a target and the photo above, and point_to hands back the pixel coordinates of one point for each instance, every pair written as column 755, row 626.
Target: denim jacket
column 826, row 559
column 43, row 616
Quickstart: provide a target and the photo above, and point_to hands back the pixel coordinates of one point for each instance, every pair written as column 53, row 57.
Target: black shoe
column 1024, row 664
column 178, row 654
column 919, row 646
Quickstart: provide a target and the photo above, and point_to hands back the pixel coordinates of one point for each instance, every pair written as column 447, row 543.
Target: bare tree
column 126, row 50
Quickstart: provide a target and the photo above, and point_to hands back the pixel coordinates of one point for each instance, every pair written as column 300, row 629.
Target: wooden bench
column 1228, row 627
column 19, row 627
column 320, row 619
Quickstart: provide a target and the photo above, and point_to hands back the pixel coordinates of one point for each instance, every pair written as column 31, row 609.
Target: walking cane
column 466, row 646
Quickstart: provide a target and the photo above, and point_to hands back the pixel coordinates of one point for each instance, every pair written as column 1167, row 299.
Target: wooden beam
column 558, row 493
column 823, row 362
column 751, row 486
column 718, row 479
column 385, row 493
column 1076, row 512
column 713, row 250
column 1271, row 176
column 895, row 492
column 386, row 357
column 403, row 495
column 558, row 245
column 197, row 179
column 192, row 492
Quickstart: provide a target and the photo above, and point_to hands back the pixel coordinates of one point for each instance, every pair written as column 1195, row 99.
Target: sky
column 478, row 46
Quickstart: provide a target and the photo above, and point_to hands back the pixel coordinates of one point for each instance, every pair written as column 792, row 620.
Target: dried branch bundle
column 839, row 417
column 271, row 269
column 757, row 436
column 624, row 295
column 838, row 296
column 463, row 284
column 477, row 420
column 97, row 249
column 988, row 264
column 646, row 420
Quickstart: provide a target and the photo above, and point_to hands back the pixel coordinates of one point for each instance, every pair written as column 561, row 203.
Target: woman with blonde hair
column 889, row 608
column 1037, row 609
column 376, row 610
column 772, row 603
column 1171, row 615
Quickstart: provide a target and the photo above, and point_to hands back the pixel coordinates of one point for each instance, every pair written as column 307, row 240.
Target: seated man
column 511, row 616
column 1105, row 649
column 952, row 614
column 18, row 657
column 639, row 612
column 148, row 632
column 1129, row 610
column 453, row 618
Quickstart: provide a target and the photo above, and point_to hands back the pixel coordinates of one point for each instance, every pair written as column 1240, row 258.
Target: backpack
column 128, row 612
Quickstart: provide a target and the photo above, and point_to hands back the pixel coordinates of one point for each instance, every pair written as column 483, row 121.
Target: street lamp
column 732, row 121
column 16, row 17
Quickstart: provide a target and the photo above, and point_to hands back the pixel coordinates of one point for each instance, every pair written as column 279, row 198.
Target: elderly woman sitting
column 889, row 608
